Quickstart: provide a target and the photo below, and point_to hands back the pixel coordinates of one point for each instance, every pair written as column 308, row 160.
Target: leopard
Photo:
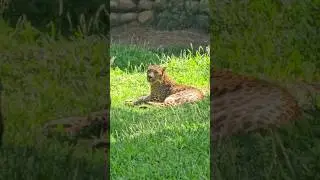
column 241, row 104
column 164, row 91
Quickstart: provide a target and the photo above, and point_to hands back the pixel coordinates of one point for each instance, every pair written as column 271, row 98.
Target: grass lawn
column 158, row 143
column 278, row 40
column 44, row 79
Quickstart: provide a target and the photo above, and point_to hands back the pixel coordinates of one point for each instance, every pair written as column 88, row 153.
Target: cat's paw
column 129, row 103
column 144, row 106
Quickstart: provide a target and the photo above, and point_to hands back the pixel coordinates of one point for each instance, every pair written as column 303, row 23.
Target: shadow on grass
column 172, row 140
column 22, row 162
column 291, row 152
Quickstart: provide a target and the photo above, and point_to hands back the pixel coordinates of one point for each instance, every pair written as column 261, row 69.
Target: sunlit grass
column 157, row 143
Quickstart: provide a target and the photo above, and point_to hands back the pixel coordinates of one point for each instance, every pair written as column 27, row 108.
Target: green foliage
column 135, row 58
column 65, row 16
column 44, row 79
column 132, row 57
column 280, row 40
column 265, row 35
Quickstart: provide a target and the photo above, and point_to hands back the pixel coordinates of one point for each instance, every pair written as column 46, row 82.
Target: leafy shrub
column 65, row 16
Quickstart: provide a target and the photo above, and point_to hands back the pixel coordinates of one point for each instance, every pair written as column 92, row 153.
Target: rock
column 145, row 5
column 121, row 18
column 113, row 5
column 134, row 24
column 159, row 4
column 114, row 19
column 145, row 16
column 122, row 5
column 127, row 17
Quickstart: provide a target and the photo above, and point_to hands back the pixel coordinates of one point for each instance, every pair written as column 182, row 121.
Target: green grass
column 157, row 143
column 279, row 41
column 44, row 80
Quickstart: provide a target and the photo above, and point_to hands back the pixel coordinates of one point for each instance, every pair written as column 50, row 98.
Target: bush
column 65, row 16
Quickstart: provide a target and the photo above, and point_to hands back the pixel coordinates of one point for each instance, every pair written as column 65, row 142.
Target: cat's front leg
column 141, row 100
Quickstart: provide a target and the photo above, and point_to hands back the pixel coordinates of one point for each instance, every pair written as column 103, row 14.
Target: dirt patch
column 152, row 38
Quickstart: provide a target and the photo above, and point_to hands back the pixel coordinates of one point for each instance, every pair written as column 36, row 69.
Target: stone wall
column 163, row 14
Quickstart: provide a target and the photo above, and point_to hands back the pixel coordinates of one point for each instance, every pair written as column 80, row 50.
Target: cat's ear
column 163, row 69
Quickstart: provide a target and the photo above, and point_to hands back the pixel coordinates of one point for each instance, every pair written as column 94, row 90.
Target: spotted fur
column 241, row 104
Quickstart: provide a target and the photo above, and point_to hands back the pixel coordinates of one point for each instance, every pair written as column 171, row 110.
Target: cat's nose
column 149, row 76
